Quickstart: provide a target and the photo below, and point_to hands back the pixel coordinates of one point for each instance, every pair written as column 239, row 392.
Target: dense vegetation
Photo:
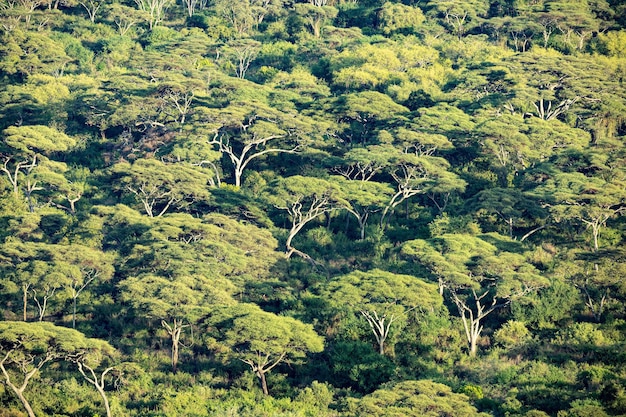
column 313, row 208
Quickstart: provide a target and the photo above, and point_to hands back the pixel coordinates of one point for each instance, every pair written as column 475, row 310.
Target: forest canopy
column 312, row 208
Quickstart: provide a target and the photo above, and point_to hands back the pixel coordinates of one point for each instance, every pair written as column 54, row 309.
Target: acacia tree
column 85, row 265
column 478, row 276
column 413, row 399
column 25, row 348
column 96, row 354
column 315, row 15
column 383, row 298
column 245, row 132
column 24, row 148
column 159, row 186
column 304, row 199
column 31, row 269
column 510, row 206
column 364, row 198
column 176, row 303
column 590, row 200
column 154, row 10
column 260, row 339
column 416, row 174
column 183, row 265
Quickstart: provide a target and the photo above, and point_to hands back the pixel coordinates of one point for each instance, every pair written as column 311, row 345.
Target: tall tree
column 589, row 200
column 24, row 148
column 85, row 265
column 176, row 303
column 93, row 355
column 478, row 276
column 244, row 132
column 160, row 186
column 32, row 270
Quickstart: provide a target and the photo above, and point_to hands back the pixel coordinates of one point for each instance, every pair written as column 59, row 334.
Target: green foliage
column 449, row 173
column 413, row 398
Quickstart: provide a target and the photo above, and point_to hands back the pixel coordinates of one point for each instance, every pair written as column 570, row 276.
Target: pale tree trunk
column 299, row 218
column 174, row 330
column 403, row 177
column 96, row 382
column 19, row 391
column 361, row 219
column 379, row 327
column 249, row 152
column 596, row 308
column 14, row 176
column 42, row 305
column 472, row 321
column 261, row 376
column 75, row 290
column 262, row 366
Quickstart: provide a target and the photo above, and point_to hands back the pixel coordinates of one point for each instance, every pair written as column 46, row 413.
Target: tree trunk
column 23, row 399
column 473, row 347
column 19, row 391
column 74, row 313
column 24, row 301
column 96, row 382
column 105, row 400
column 261, row 376
column 175, row 344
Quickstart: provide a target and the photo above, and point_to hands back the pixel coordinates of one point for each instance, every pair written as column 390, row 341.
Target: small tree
column 260, row 339
column 97, row 353
column 304, row 199
column 383, row 298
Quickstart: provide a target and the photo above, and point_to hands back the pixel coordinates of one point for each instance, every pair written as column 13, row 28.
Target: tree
column 479, row 276
column 243, row 52
column 25, row 348
column 590, row 200
column 154, row 10
column 159, row 186
column 183, row 265
column 509, row 149
column 245, row 132
column 459, row 16
column 304, row 199
column 363, row 199
column 362, row 114
column 176, row 303
column 86, row 265
column 260, row 339
column 419, row 174
column 315, row 15
column 598, row 277
column 510, row 206
column 396, row 17
column 92, row 7
column 31, row 269
column 383, row 298
column 238, row 14
column 94, row 354
column 124, row 17
column 23, row 148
